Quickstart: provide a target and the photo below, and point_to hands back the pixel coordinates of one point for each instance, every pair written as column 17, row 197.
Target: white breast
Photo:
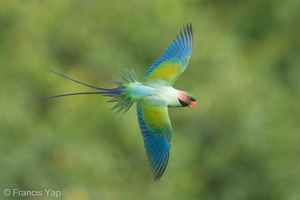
column 167, row 94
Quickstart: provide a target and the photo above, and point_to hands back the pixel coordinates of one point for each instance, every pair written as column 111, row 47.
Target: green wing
column 156, row 129
column 174, row 60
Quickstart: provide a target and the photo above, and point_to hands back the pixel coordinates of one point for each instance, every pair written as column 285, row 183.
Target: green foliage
column 240, row 142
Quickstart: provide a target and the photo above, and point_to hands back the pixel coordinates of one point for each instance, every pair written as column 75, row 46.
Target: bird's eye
column 183, row 103
column 192, row 98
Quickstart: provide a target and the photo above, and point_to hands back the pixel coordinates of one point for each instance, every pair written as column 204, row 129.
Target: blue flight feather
column 178, row 51
column 157, row 146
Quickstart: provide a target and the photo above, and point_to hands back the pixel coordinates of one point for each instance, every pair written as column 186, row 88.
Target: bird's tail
column 124, row 102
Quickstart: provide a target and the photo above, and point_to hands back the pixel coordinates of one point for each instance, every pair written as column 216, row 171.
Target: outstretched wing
column 157, row 133
column 174, row 60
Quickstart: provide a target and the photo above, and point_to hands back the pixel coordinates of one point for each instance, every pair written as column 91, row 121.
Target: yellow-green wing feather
column 156, row 129
column 175, row 59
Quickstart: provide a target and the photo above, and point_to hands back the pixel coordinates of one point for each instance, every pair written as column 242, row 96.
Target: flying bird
column 153, row 95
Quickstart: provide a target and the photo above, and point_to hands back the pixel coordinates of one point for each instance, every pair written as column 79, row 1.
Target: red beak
column 193, row 104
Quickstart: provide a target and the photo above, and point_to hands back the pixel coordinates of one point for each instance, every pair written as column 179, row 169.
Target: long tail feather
column 123, row 101
column 91, row 86
column 77, row 93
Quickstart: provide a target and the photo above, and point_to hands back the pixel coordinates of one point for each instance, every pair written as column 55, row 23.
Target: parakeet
column 153, row 95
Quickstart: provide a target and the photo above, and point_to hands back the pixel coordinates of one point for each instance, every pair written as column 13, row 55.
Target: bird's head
column 186, row 99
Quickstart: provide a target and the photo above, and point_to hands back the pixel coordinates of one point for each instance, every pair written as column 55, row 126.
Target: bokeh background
column 241, row 142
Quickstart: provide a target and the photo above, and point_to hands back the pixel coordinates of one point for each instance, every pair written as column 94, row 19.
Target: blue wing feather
column 180, row 48
column 157, row 145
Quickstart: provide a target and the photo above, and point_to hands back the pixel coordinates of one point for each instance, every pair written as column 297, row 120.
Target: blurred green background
column 241, row 142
